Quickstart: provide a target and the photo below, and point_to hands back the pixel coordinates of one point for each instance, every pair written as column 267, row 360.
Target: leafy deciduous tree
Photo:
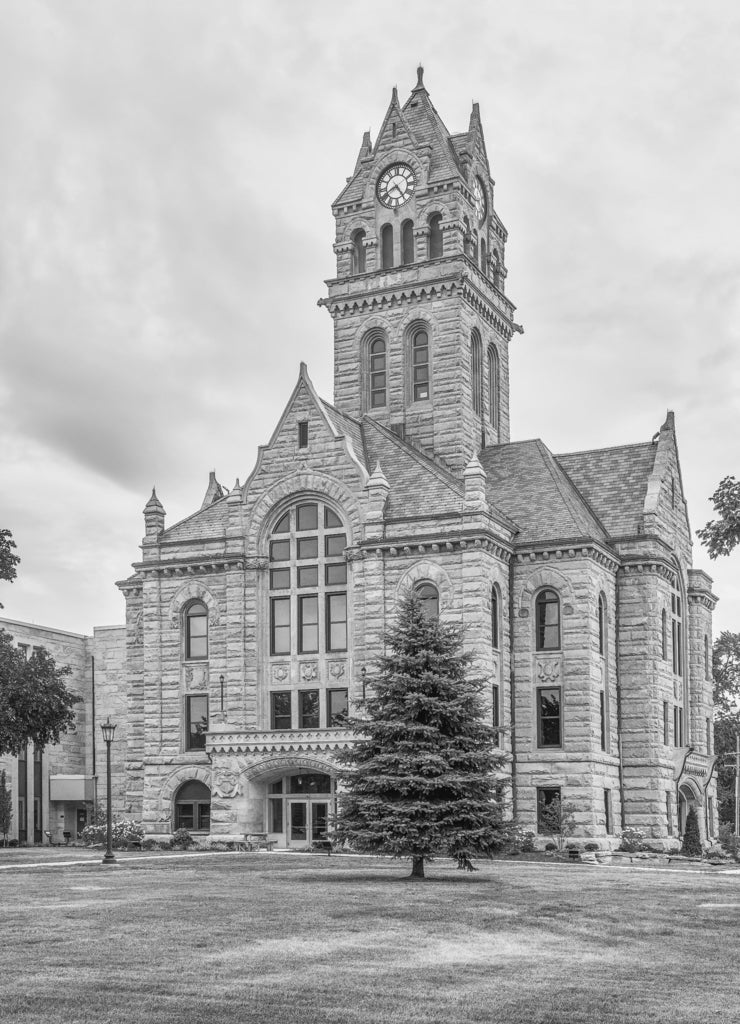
column 36, row 705
column 721, row 536
column 6, row 808
column 8, row 560
column 726, row 673
column 420, row 780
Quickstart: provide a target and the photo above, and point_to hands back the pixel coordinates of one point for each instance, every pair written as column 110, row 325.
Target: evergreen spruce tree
column 420, row 779
column 691, row 846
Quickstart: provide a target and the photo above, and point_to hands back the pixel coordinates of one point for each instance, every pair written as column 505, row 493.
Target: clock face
column 396, row 185
column 479, row 198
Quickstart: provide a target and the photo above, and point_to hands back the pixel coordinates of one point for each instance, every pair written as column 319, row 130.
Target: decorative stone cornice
column 690, row 763
column 307, row 741
column 708, row 601
column 400, row 549
column 202, row 567
column 578, row 550
column 650, row 566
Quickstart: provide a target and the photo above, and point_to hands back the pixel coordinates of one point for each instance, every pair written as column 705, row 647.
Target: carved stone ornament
column 494, row 669
column 337, row 669
column 309, row 671
column 195, row 677
column 548, row 671
column 280, row 673
column 227, row 784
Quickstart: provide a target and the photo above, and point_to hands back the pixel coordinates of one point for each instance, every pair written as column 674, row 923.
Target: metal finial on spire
column 420, row 77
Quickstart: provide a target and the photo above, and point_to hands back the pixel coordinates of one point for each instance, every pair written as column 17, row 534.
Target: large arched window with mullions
column 196, row 631
column 308, row 581
column 547, row 621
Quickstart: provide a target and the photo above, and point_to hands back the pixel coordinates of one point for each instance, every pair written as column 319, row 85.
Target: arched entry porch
column 293, row 799
column 689, row 795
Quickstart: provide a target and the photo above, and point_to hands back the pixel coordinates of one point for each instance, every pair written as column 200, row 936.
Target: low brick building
column 252, row 625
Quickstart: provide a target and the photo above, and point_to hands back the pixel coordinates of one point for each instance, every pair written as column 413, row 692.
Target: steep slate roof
column 528, row 485
column 429, row 129
column 418, row 486
column 614, row 482
column 206, row 524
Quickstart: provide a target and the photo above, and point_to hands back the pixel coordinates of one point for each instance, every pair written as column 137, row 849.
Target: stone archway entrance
column 296, row 800
column 688, row 797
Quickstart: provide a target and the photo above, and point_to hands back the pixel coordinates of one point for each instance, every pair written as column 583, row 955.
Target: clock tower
column 421, row 321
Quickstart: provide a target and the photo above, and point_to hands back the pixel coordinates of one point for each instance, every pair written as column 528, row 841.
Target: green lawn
column 289, row 939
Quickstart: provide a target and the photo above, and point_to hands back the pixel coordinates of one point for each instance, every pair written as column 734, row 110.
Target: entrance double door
column 307, row 821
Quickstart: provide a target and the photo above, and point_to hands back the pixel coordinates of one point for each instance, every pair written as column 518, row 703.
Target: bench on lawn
column 256, row 841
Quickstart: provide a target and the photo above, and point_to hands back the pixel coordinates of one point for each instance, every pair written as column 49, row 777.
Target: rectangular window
column 545, row 797
column 336, row 622
column 185, row 816
column 308, row 576
column 279, row 579
column 308, row 624
column 280, row 716
column 337, row 708
column 680, row 727
column 197, row 722
column 666, row 724
column 308, row 547
column 279, row 625
column 335, row 544
column 710, row 816
column 23, row 648
column 676, row 733
column 602, row 711
column 303, row 434
column 669, row 813
column 549, row 717
column 279, row 550
column 308, row 709
column 608, row 811
column 336, row 574
column 495, row 706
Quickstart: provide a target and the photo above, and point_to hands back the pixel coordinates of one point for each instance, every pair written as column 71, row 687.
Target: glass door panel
column 319, row 816
column 298, row 821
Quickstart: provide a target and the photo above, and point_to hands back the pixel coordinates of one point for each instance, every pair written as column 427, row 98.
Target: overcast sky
column 166, row 174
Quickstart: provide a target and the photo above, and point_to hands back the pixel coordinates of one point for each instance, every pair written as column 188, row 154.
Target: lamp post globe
column 108, row 730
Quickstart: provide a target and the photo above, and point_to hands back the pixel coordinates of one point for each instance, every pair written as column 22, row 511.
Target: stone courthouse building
column 252, row 625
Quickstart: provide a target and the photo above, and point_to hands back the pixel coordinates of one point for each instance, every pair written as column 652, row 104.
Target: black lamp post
column 108, row 730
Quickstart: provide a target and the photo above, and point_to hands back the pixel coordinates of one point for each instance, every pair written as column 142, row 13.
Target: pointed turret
column 154, row 514
column 378, row 489
column 474, row 479
column 235, row 494
column 366, row 151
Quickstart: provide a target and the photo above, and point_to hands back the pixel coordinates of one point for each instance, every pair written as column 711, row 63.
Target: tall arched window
column 547, row 621
column 196, row 630
column 664, row 634
column 493, row 386
column 420, row 364
column 602, row 625
column 495, row 617
column 475, row 371
column 308, row 588
column 407, row 242
column 428, row 596
column 358, row 252
column 483, row 255
column 677, row 631
column 436, row 245
column 193, row 807
column 386, row 246
column 377, row 373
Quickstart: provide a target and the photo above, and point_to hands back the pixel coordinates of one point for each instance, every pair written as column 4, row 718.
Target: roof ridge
column 445, row 475
column 608, row 448
column 558, row 474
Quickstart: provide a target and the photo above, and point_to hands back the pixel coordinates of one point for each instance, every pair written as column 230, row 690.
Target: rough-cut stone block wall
column 580, row 767
column 108, row 648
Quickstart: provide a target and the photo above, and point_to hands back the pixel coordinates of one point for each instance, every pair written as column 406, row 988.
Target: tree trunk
column 417, row 867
